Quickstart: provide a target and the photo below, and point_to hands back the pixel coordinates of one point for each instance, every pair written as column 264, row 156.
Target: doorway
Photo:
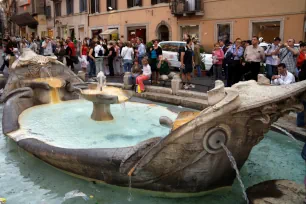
column 140, row 32
column 163, row 33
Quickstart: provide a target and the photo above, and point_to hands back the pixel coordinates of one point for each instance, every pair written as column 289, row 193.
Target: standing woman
column 233, row 55
column 218, row 57
column 60, row 52
column 84, row 55
column 128, row 56
column 105, row 62
column 68, row 54
column 155, row 52
column 92, row 60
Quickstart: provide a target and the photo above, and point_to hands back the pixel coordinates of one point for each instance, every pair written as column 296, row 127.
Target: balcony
column 187, row 7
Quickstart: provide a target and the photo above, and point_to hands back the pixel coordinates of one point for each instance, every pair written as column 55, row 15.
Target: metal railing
column 179, row 7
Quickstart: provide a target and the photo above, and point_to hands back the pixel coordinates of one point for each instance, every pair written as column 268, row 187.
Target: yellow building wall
column 135, row 17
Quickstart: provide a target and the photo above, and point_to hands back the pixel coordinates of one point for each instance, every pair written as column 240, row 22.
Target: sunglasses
column 289, row 41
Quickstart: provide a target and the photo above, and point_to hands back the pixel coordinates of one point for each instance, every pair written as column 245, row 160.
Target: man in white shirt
column 47, row 45
column 283, row 77
column 99, row 52
column 272, row 59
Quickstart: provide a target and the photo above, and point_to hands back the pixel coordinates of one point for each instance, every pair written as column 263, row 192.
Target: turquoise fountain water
column 25, row 179
column 69, row 124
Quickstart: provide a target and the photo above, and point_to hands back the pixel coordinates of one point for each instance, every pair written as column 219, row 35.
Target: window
column 58, row 9
column 95, row 6
column 69, row 6
column 224, row 32
column 153, row 2
column 132, row 3
column 111, row 5
column 48, row 12
column 83, row 6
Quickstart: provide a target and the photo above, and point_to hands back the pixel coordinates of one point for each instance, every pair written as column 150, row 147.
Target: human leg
column 125, row 65
column 219, row 72
column 111, row 67
column 140, row 79
column 255, row 69
column 269, row 71
column 129, row 65
column 199, row 71
column 140, row 60
column 92, row 71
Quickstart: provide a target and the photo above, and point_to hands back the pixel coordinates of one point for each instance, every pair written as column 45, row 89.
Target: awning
column 109, row 32
column 24, row 19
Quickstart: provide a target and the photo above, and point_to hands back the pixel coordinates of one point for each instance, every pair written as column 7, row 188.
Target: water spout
column 101, row 80
column 130, row 197
column 234, row 165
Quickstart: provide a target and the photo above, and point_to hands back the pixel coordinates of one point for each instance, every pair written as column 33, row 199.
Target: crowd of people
column 233, row 62
column 244, row 60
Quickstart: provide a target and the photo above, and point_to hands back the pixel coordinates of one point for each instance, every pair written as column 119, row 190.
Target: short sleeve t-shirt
column 113, row 51
column 188, row 56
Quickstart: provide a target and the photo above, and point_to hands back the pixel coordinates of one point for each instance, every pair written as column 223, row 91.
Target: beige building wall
column 242, row 14
column 123, row 18
column 62, row 25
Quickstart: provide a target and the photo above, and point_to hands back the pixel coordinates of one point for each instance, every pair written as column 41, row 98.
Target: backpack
column 100, row 53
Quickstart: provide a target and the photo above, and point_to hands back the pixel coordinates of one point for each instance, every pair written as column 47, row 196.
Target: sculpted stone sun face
column 41, row 60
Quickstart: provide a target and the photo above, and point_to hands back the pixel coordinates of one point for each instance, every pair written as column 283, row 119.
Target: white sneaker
column 186, row 87
column 191, row 86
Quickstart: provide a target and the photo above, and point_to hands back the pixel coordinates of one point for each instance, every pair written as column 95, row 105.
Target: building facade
column 71, row 18
column 230, row 19
column 30, row 18
column 206, row 20
column 127, row 19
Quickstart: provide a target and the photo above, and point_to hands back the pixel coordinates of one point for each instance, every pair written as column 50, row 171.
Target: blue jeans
column 127, row 65
column 300, row 120
column 92, row 71
column 133, row 78
column 140, row 60
column 271, row 70
column 199, row 70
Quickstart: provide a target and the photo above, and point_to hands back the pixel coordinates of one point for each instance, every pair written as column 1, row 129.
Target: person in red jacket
column 302, row 56
column 72, row 54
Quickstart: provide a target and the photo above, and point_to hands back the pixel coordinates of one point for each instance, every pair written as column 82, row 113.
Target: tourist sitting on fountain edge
column 136, row 71
column 146, row 75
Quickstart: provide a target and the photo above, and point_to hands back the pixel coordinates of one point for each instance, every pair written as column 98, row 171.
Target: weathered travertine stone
column 276, row 192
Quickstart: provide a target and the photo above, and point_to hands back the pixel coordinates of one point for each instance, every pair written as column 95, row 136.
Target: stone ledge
column 194, row 94
column 198, row 104
column 119, row 85
column 158, row 89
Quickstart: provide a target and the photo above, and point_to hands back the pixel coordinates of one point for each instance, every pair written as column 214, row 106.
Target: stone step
column 193, row 94
column 189, row 102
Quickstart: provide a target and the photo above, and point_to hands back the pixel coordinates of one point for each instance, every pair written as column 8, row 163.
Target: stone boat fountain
column 188, row 158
